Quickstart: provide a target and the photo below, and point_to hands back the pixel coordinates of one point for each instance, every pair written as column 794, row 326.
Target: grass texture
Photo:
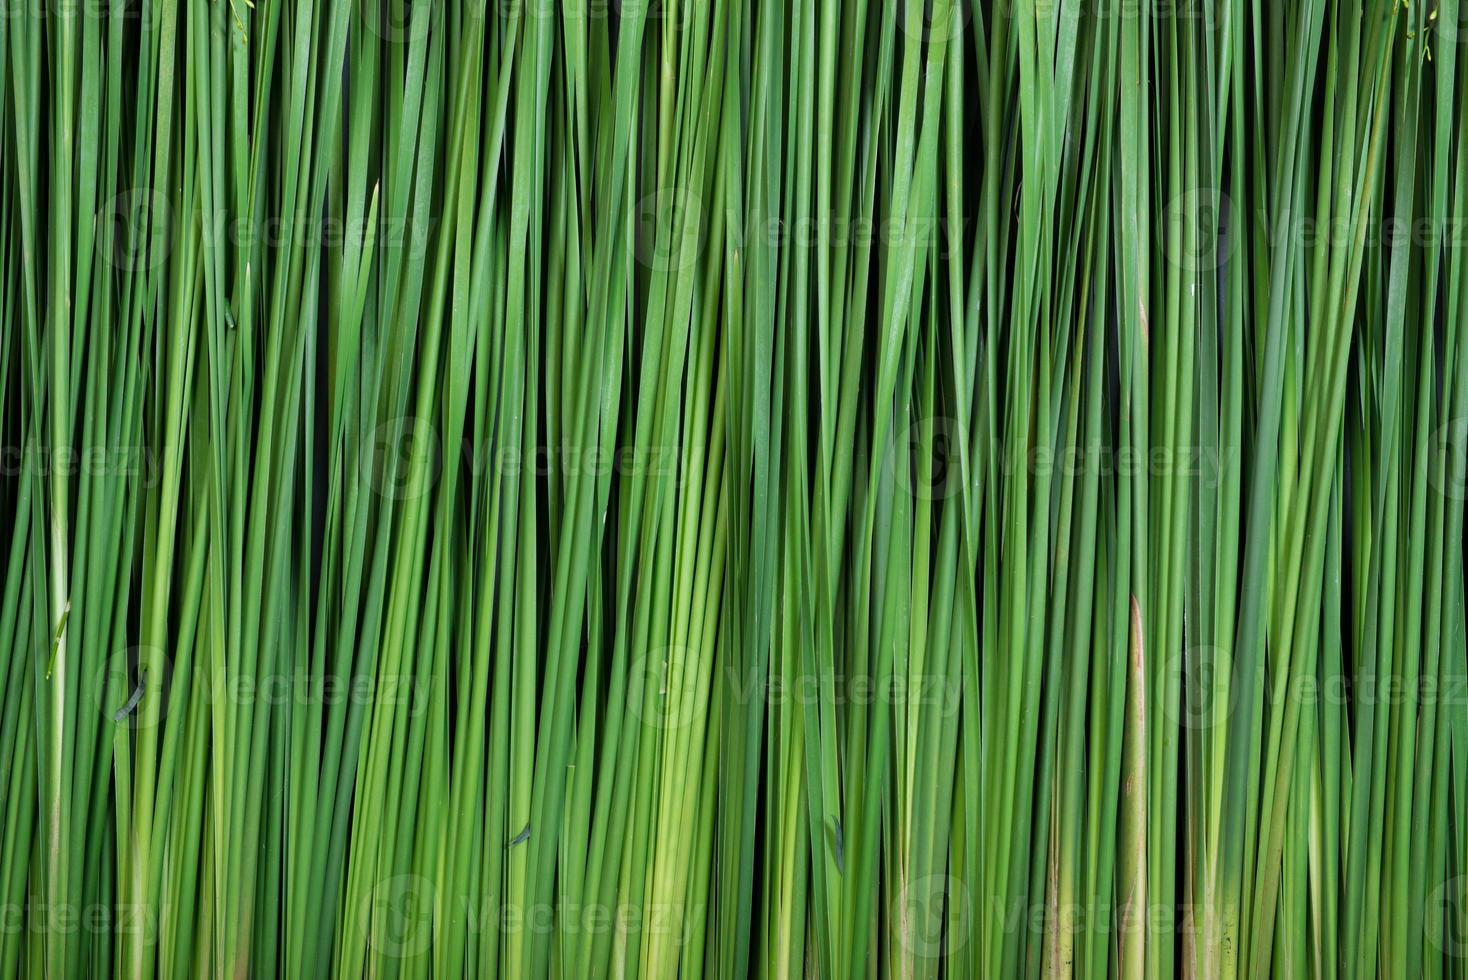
column 724, row 488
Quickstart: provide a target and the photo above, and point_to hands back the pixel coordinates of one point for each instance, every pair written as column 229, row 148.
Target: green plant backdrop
column 724, row 488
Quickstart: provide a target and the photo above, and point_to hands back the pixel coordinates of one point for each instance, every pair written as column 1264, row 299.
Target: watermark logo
column 1443, row 921
column 1451, row 27
column 132, row 687
column 1198, row 671
column 397, row 21
column 133, row 229
column 662, row 688
column 669, row 229
column 399, row 913
column 932, row 21
column 135, row 463
column 925, row 460
column 94, row 919
column 400, row 459
column 1452, row 479
column 934, row 916
column 933, row 469
column 1194, row 223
